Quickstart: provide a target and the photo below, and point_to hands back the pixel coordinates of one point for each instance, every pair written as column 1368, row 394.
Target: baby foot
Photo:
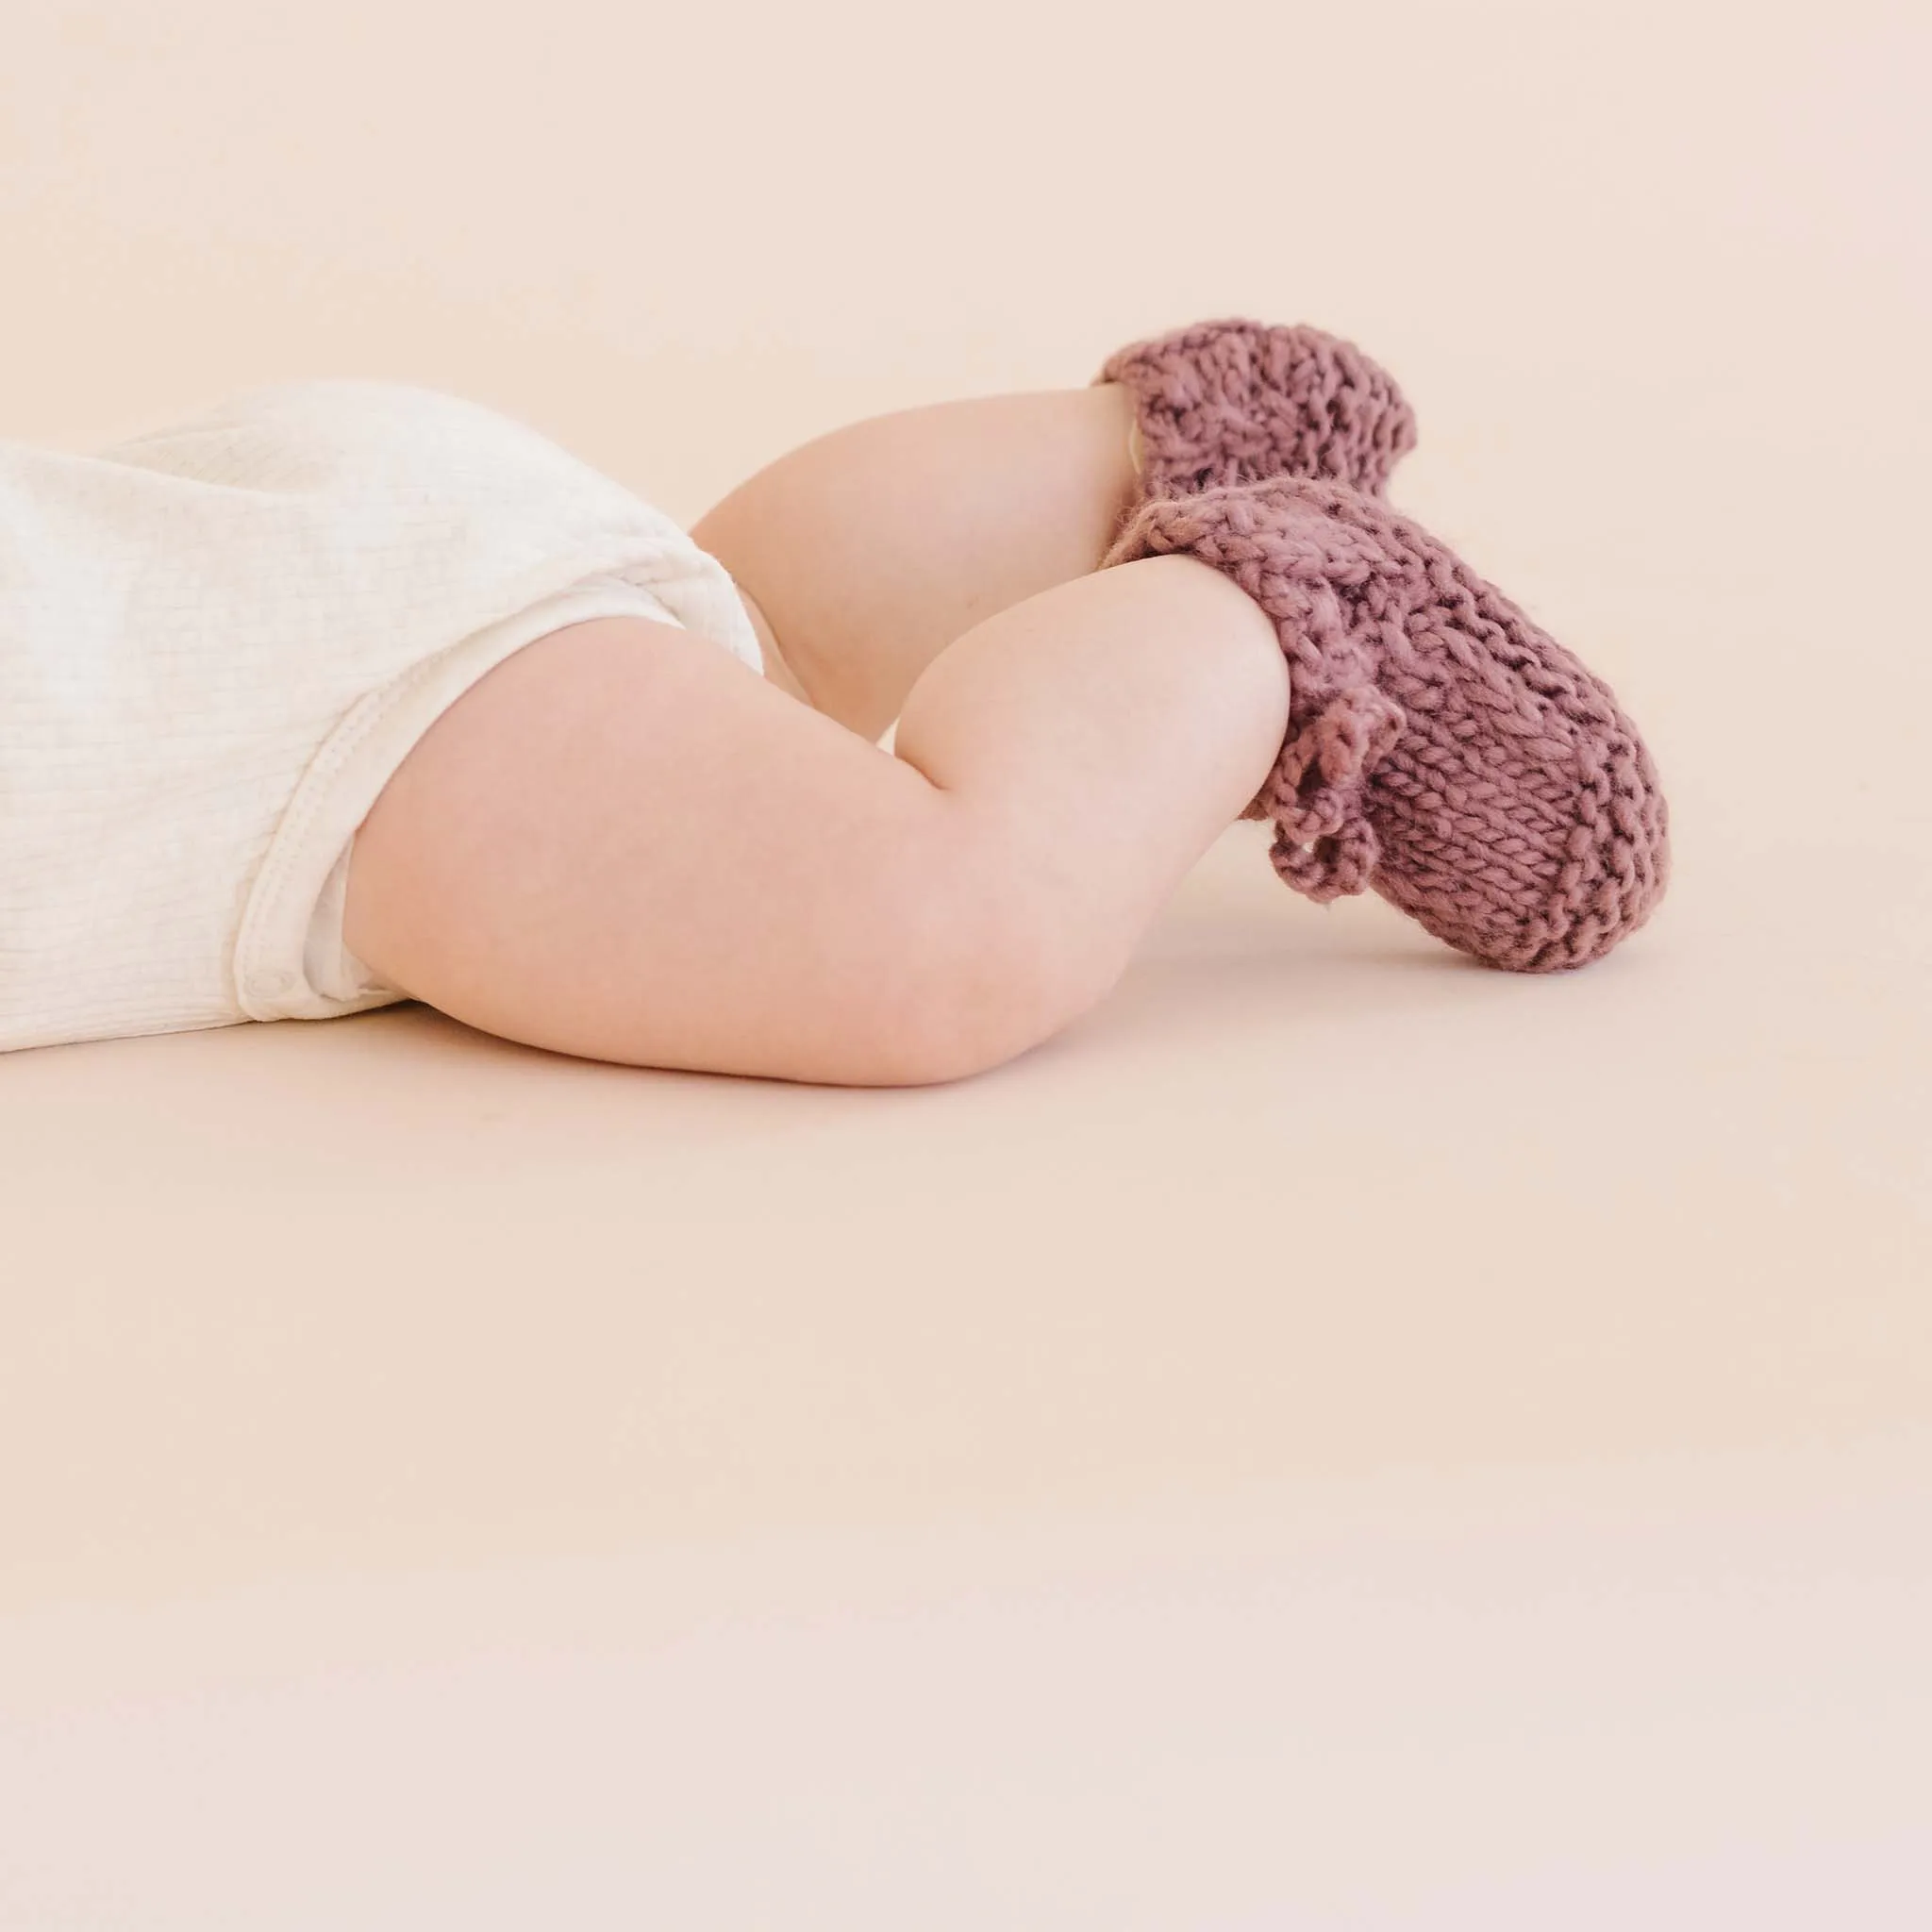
column 1441, row 747
column 1239, row 402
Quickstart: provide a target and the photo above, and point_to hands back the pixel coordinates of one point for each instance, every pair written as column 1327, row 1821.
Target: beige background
column 1339, row 1440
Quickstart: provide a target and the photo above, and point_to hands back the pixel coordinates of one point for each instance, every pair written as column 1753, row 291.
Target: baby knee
column 989, row 973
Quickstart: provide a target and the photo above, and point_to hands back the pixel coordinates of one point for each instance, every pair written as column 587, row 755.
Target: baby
column 351, row 693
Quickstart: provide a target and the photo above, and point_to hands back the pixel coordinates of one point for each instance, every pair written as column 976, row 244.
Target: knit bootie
column 1237, row 402
column 1441, row 747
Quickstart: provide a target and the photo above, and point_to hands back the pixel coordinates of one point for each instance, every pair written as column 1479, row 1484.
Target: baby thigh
column 621, row 844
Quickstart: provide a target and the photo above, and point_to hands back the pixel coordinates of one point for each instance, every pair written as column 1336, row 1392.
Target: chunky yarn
column 1441, row 747
column 1236, row 402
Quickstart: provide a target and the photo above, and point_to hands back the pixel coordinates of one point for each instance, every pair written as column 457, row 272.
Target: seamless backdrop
column 1340, row 1438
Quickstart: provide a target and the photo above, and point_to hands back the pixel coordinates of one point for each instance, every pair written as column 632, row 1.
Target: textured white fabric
column 216, row 645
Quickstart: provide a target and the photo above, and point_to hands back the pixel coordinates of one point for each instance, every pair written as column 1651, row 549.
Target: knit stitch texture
column 1441, row 747
column 1240, row 401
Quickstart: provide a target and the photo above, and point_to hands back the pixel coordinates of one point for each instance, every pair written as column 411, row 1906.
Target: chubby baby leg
column 621, row 844
column 871, row 548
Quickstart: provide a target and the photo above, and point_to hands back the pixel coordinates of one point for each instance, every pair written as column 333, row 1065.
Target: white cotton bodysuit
column 217, row 643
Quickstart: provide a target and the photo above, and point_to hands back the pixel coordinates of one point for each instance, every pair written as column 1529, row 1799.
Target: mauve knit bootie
column 1237, row 402
column 1441, row 747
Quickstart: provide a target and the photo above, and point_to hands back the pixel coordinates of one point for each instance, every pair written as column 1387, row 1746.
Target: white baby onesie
column 218, row 641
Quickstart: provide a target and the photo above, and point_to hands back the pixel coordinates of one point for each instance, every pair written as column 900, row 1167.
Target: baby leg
column 619, row 844
column 872, row 548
